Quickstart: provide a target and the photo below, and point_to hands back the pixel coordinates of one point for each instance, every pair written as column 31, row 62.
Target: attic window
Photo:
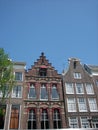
column 43, row 71
column 74, row 64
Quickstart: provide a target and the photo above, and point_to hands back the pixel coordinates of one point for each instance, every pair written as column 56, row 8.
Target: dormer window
column 43, row 71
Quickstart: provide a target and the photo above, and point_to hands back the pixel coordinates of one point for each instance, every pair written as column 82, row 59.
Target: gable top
column 42, row 62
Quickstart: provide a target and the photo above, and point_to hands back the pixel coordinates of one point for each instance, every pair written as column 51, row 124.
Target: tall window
column 69, row 88
column 55, row 95
column 14, row 119
column 82, row 104
column 84, row 122
column 71, row 104
column 32, row 120
column 89, row 88
column 18, row 76
column 4, row 91
column 77, row 75
column 2, row 116
column 56, row 119
column 79, row 88
column 92, row 104
column 73, row 122
column 17, row 92
column 32, row 93
column 43, row 93
column 44, row 119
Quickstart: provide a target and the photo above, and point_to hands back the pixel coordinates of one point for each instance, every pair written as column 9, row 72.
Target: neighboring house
column 80, row 94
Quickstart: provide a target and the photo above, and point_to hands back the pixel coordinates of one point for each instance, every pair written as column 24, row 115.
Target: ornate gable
column 42, row 68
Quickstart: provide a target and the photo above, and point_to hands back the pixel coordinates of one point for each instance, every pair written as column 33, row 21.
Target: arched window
column 32, row 93
column 32, row 119
column 55, row 95
column 43, row 93
column 44, row 119
column 56, row 119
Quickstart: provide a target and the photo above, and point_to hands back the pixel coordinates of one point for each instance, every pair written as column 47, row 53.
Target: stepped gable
column 42, row 63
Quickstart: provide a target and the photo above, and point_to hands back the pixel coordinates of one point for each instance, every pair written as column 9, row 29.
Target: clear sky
column 59, row 28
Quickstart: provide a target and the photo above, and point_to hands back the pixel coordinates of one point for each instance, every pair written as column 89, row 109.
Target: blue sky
column 59, row 28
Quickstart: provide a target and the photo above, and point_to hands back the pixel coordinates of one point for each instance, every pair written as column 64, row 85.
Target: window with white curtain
column 55, row 95
column 89, row 88
column 77, row 75
column 17, row 92
column 92, row 104
column 82, row 104
column 69, row 88
column 71, row 104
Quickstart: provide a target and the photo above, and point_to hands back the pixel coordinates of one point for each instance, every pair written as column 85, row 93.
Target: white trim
column 19, row 116
column 6, row 116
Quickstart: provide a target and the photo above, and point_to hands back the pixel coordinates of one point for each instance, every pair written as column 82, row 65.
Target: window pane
column 77, row 75
column 44, row 94
column 79, row 88
column 89, row 88
column 69, row 88
column 84, row 122
column 71, row 105
column 32, row 93
column 92, row 104
column 73, row 122
column 54, row 93
column 17, row 91
column 82, row 104
column 18, row 76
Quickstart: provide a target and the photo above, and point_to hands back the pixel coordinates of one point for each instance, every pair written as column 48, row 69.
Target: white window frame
column 93, row 104
column 77, row 75
column 69, row 88
column 89, row 88
column 54, row 87
column 82, row 104
column 46, row 96
column 79, row 86
column 19, row 95
column 73, row 122
column 84, row 122
column 32, row 87
column 71, row 102
column 21, row 76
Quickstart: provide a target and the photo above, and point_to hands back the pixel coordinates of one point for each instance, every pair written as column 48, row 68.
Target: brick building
column 81, row 95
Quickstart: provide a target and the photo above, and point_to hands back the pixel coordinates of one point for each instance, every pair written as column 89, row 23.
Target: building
column 44, row 99
column 80, row 95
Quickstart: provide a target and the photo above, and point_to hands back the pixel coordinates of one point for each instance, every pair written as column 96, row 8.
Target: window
column 55, row 95
column 71, row 104
column 32, row 93
column 2, row 116
column 17, row 92
column 4, row 91
column 73, row 122
column 84, row 122
column 32, row 119
column 95, row 121
column 56, row 119
column 69, row 88
column 44, row 95
column 79, row 88
column 77, row 75
column 43, row 72
column 14, row 119
column 18, row 76
column 92, row 104
column 89, row 88
column 82, row 104
column 44, row 119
